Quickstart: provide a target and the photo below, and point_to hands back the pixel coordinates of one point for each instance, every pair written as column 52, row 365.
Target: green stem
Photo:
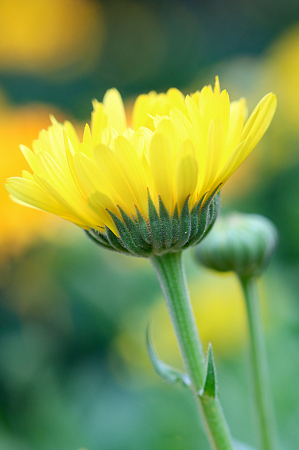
column 171, row 274
column 263, row 398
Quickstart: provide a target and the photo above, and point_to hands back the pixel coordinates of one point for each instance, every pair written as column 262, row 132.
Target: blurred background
column 74, row 372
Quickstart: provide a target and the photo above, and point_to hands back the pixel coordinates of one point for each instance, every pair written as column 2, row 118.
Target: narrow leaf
column 210, row 386
column 166, row 372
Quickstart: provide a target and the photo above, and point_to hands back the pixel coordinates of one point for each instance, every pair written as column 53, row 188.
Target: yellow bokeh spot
column 43, row 35
column 19, row 225
column 283, row 72
column 219, row 310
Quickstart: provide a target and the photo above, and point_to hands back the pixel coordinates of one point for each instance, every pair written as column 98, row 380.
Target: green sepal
column 185, row 225
column 205, row 220
column 155, row 226
column 161, row 232
column 98, row 238
column 166, row 372
column 115, row 242
column 210, row 386
column 175, row 226
column 143, row 227
column 134, row 231
column 195, row 217
column 165, row 225
column 125, row 237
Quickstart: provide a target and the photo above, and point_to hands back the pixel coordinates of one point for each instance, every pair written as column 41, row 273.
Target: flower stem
column 171, row 274
column 263, row 398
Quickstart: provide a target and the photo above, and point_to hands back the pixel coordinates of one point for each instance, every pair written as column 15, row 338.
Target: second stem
column 265, row 410
column 171, row 274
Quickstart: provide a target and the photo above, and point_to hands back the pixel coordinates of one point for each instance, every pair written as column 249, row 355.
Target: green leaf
column 166, row 372
column 210, row 386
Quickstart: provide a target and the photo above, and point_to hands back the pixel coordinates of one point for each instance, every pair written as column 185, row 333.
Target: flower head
column 149, row 188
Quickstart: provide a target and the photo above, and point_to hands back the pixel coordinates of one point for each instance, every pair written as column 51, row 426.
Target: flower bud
column 242, row 243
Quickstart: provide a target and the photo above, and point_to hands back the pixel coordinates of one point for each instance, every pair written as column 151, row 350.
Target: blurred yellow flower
column 45, row 35
column 220, row 316
column 186, row 154
column 16, row 125
column 283, row 72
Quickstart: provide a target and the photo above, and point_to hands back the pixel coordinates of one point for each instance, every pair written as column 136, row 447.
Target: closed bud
column 242, row 243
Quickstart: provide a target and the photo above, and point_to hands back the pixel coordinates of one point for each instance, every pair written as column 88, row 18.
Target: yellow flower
column 120, row 180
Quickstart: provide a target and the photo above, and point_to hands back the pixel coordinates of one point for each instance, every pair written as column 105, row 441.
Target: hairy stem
column 260, row 377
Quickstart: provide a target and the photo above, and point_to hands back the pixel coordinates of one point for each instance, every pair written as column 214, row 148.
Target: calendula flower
column 151, row 188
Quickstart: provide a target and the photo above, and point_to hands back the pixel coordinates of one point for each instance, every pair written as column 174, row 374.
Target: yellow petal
column 99, row 203
column 27, row 175
column 72, row 135
column 115, row 109
column 30, row 157
column 217, row 86
column 166, row 127
column 224, row 110
column 176, row 100
column 215, row 148
column 74, row 206
column 108, row 136
column 196, row 120
column 162, row 166
column 186, row 173
column 234, row 139
column 88, row 173
column 133, row 171
column 260, row 120
column 99, row 121
column 231, row 165
column 183, row 127
column 70, row 160
column 87, row 136
column 31, row 193
column 114, row 177
column 141, row 110
column 141, row 140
